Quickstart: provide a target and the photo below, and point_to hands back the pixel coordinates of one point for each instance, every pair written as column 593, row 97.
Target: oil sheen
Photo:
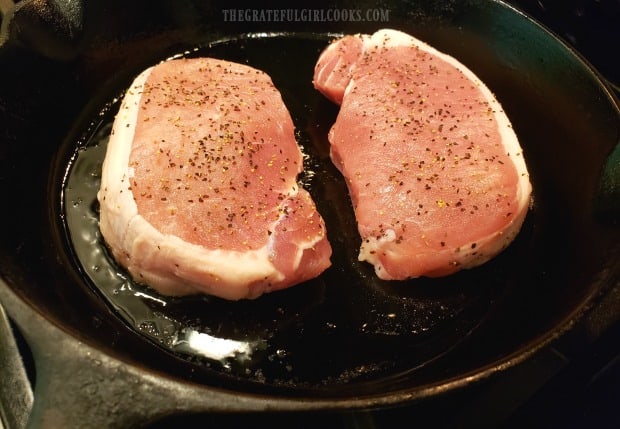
column 343, row 326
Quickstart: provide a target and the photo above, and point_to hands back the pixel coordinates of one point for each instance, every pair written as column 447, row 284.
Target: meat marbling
column 199, row 190
column 434, row 169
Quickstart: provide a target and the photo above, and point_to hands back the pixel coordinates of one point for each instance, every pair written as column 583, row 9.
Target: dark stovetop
column 589, row 26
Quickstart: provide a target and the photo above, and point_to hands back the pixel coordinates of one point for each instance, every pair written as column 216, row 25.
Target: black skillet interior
column 345, row 332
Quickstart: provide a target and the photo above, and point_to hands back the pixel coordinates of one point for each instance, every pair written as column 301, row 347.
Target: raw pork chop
column 199, row 189
column 435, row 172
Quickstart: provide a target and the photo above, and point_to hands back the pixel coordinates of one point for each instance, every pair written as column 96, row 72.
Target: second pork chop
column 434, row 169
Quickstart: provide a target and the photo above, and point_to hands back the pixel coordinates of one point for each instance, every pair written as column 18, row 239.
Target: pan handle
column 607, row 203
column 15, row 389
column 79, row 386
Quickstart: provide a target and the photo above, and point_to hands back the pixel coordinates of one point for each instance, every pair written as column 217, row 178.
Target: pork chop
column 199, row 190
column 434, row 169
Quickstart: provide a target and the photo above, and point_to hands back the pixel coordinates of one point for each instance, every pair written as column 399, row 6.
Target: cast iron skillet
column 345, row 340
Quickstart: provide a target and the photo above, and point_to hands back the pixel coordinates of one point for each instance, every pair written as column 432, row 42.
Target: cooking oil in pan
column 344, row 326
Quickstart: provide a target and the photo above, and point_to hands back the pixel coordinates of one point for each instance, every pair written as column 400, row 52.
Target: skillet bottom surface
column 345, row 325
column 346, row 330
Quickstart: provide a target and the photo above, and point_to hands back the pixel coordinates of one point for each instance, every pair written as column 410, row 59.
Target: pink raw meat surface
column 199, row 190
column 434, row 169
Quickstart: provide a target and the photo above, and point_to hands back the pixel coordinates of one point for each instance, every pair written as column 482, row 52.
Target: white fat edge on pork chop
column 148, row 254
